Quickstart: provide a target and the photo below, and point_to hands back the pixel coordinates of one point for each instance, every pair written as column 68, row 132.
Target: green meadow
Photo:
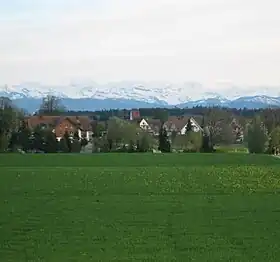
column 139, row 207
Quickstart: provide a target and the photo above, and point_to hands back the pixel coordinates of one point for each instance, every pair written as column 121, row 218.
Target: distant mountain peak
column 128, row 93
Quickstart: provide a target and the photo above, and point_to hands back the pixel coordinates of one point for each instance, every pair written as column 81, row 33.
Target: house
column 134, row 115
column 155, row 125
column 150, row 125
column 179, row 124
column 173, row 124
column 60, row 124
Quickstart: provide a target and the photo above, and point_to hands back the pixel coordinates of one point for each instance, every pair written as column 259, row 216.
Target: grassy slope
column 139, row 207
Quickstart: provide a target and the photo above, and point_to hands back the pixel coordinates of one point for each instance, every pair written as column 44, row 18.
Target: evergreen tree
column 110, row 144
column 76, row 135
column 67, row 140
column 62, row 146
column 189, row 126
column 51, row 144
column 38, row 139
column 76, row 146
column 14, row 141
column 257, row 137
column 164, row 144
column 24, row 135
column 203, row 122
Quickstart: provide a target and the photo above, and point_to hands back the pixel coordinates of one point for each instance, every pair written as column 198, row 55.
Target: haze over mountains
column 129, row 94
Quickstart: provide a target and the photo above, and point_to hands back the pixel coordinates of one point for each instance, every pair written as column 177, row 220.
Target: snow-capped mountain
column 29, row 90
column 93, row 96
column 141, row 91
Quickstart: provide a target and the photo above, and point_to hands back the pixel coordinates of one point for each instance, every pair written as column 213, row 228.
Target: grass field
column 130, row 207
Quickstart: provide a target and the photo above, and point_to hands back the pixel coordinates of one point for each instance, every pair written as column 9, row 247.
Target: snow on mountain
column 29, row 90
column 261, row 99
column 141, row 91
column 214, row 97
column 155, row 92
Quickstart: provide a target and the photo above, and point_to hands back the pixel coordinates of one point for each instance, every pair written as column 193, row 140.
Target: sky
column 214, row 42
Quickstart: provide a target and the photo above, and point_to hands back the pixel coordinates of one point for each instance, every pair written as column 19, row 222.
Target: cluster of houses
column 62, row 124
column 84, row 125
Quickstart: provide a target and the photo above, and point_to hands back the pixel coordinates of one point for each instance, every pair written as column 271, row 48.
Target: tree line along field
column 139, row 207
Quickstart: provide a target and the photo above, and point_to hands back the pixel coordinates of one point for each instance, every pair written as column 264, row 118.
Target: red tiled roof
column 82, row 121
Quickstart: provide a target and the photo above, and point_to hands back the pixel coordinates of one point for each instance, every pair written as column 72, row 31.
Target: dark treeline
column 270, row 116
column 198, row 110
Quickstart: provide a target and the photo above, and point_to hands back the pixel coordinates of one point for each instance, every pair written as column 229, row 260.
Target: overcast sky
column 208, row 41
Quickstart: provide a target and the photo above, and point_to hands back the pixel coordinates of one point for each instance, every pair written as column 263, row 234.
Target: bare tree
column 51, row 105
column 217, row 121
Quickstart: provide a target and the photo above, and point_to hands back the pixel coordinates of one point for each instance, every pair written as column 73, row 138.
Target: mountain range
column 92, row 96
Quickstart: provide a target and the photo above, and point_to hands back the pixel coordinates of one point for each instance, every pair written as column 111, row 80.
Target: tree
column 173, row 136
column 24, row 135
column 189, row 126
column 4, row 142
column 97, row 136
column 164, row 144
column 145, row 143
column 76, row 146
column 8, row 121
column 131, row 147
column 120, row 132
column 67, row 140
column 274, row 140
column 84, row 142
column 195, row 140
column 115, row 133
column 97, row 130
column 257, row 137
column 51, row 144
column 37, row 140
column 180, row 142
column 225, row 135
column 76, row 135
column 62, row 146
column 216, row 120
column 106, row 145
column 14, row 141
column 161, row 114
column 51, row 105
column 207, row 145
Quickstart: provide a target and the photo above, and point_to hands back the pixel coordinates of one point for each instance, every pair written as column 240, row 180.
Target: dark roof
column 154, row 124
column 178, row 121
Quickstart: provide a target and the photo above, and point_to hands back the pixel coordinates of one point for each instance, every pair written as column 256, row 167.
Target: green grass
column 238, row 148
column 133, row 207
